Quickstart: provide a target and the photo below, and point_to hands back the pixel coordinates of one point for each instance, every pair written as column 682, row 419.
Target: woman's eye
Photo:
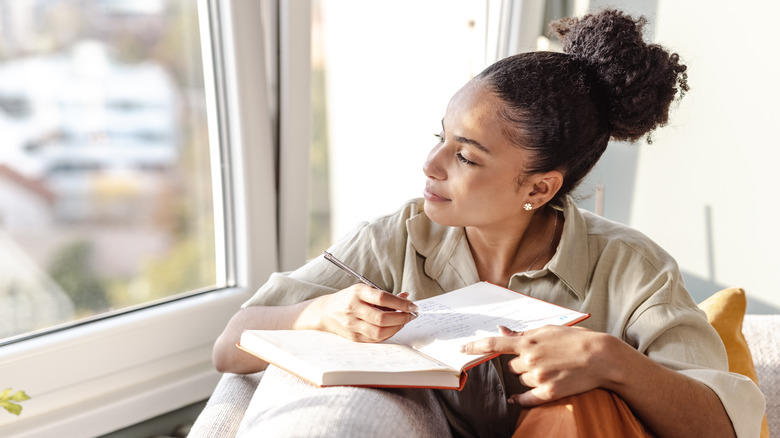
column 465, row 160
column 459, row 155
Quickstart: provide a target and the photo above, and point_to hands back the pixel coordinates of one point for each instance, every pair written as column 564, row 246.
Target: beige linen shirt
column 631, row 287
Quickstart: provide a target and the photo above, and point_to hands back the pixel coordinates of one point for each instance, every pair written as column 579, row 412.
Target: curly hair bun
column 634, row 81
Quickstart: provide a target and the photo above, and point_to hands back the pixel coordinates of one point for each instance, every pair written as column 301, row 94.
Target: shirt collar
column 448, row 257
column 570, row 262
column 446, row 251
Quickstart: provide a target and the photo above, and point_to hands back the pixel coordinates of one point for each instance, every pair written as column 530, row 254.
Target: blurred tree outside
column 319, row 169
column 72, row 270
column 319, row 198
column 173, row 205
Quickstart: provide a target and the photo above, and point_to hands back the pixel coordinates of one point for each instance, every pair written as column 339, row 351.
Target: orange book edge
column 462, row 383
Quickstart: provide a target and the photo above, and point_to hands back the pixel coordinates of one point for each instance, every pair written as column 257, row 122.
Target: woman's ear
column 546, row 187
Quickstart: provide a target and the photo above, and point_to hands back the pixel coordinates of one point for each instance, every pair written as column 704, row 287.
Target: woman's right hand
column 359, row 313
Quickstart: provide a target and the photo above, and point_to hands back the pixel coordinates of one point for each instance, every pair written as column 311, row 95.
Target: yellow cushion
column 725, row 311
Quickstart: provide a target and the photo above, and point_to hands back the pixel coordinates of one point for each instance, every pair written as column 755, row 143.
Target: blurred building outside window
column 105, row 185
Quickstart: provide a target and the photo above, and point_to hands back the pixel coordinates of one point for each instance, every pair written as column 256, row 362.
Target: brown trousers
column 596, row 413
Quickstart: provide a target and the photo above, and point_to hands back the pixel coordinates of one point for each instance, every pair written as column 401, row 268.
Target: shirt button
column 500, row 390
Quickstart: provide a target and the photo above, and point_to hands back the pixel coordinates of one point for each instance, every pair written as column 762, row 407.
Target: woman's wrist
column 626, row 368
column 309, row 315
column 616, row 363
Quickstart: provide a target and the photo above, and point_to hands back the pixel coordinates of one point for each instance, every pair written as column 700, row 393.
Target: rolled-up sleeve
column 634, row 290
column 670, row 329
column 681, row 339
column 741, row 398
column 376, row 249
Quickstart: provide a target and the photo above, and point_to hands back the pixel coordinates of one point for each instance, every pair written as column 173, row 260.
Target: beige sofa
column 225, row 408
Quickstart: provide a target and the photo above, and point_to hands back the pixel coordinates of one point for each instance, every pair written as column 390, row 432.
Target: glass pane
column 319, row 189
column 105, row 185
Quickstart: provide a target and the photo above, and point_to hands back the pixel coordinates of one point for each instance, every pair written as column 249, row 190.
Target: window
column 105, row 202
column 215, row 189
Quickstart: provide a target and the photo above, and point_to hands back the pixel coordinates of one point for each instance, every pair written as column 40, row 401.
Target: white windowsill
column 103, row 376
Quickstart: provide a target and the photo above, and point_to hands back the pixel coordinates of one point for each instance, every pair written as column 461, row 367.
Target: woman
column 515, row 141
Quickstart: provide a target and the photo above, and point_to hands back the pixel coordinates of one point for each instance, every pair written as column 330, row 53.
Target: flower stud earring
column 527, row 206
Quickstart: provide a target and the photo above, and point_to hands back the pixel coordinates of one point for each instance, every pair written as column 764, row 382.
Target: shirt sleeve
column 670, row 329
column 374, row 249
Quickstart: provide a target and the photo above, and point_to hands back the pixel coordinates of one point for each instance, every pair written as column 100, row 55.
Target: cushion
column 725, row 311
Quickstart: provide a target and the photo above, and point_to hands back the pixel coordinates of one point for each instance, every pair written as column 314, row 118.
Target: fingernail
column 462, row 349
column 511, row 401
column 505, row 331
column 413, row 308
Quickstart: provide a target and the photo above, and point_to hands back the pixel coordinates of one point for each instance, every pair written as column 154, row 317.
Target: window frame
column 101, row 376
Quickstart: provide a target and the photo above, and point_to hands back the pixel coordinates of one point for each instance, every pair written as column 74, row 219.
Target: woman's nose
column 433, row 166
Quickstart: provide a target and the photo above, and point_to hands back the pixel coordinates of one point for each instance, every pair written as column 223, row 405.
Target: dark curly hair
column 608, row 83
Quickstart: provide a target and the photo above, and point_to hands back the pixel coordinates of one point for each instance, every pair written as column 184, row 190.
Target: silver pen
column 331, row 258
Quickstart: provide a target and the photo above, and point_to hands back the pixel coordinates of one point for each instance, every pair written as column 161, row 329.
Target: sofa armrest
column 225, row 409
column 762, row 333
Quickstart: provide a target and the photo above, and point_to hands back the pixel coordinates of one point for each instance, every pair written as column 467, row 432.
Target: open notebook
column 425, row 353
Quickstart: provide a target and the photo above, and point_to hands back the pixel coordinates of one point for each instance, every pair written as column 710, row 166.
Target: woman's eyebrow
column 474, row 143
column 460, row 139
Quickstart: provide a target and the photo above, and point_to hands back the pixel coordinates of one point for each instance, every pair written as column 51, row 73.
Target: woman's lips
column 432, row 196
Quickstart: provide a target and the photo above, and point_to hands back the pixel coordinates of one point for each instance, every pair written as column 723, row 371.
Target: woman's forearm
column 359, row 313
column 669, row 403
column 228, row 358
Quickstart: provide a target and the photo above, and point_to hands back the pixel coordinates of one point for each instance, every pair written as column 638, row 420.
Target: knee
column 286, row 408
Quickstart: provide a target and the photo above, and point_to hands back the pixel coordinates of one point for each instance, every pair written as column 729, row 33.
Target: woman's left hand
column 554, row 361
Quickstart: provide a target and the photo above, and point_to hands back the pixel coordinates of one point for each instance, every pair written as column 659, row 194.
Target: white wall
column 705, row 188
column 724, row 153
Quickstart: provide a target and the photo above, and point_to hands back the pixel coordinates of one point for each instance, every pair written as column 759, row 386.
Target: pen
column 331, row 258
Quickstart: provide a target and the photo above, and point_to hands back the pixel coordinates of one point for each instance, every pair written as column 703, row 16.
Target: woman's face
column 473, row 170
